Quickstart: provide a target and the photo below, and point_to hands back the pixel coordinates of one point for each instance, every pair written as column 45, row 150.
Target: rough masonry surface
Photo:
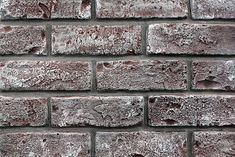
column 23, row 111
column 96, row 40
column 141, row 8
column 214, row 144
column 141, row 75
column 45, row 75
column 191, row 110
column 45, row 9
column 97, row 111
column 214, row 75
column 191, row 39
column 19, row 40
column 140, row 144
column 45, row 144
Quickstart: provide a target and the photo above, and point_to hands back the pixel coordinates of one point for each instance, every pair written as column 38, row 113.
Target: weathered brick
column 193, row 39
column 214, row 144
column 44, row 144
column 211, row 110
column 45, row 75
column 141, row 75
column 97, row 111
column 23, row 111
column 141, row 8
column 213, row 9
column 22, row 40
column 216, row 75
column 140, row 144
column 44, row 9
column 96, row 40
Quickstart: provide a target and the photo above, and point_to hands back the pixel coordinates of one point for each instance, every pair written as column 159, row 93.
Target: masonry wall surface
column 117, row 78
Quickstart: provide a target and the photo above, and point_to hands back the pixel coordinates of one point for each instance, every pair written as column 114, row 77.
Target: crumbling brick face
column 117, row 78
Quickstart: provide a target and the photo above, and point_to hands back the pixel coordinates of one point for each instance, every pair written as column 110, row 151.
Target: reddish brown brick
column 45, row 144
column 193, row 39
column 45, row 75
column 140, row 144
column 142, row 75
column 214, row 144
column 96, row 40
column 216, row 75
column 44, row 9
column 97, row 111
column 22, row 40
column 23, row 111
column 213, row 9
column 191, row 110
column 141, row 8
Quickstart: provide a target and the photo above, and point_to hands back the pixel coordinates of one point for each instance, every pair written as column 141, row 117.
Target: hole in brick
column 54, row 108
column 33, row 50
column 7, row 29
column 136, row 155
column 43, row 35
column 85, row 3
column 46, row 11
column 152, row 100
column 107, row 65
column 170, row 121
column 44, row 140
column 208, row 84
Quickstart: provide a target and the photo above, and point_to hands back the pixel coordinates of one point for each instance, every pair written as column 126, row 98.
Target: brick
column 97, row 111
column 141, row 75
column 214, row 144
column 45, row 9
column 20, row 40
column 191, row 110
column 56, row 144
column 140, row 144
column 141, row 9
column 192, row 39
column 96, row 40
column 23, row 111
column 45, row 75
column 214, row 75
column 213, row 9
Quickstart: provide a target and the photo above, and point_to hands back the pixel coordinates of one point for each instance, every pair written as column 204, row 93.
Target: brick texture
column 45, row 75
column 97, row 40
column 214, row 144
column 45, row 9
column 141, row 9
column 45, row 144
column 139, row 144
column 191, row 110
column 23, row 111
column 214, row 75
column 117, row 78
column 213, row 9
column 97, row 111
column 192, row 39
column 22, row 40
column 141, row 75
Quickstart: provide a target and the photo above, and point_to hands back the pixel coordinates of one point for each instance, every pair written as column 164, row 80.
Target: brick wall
column 117, row 78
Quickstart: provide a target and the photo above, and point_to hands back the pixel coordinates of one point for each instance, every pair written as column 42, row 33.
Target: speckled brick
column 140, row 144
column 141, row 75
column 96, row 40
column 215, row 75
column 97, row 111
column 20, row 40
column 192, row 39
column 213, row 9
column 191, row 110
column 141, row 8
column 214, row 144
column 45, row 144
column 45, row 75
column 44, row 9
column 23, row 111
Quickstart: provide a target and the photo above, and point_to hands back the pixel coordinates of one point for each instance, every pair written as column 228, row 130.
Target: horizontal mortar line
column 115, row 58
column 114, row 21
column 113, row 129
column 48, row 94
